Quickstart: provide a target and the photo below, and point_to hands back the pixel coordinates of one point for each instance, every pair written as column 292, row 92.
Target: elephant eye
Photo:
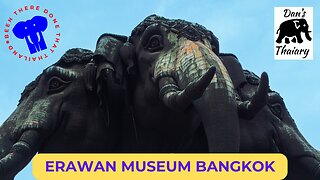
column 276, row 109
column 56, row 84
column 154, row 43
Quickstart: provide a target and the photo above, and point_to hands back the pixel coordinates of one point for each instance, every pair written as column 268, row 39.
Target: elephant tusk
column 29, row 39
column 248, row 109
column 179, row 100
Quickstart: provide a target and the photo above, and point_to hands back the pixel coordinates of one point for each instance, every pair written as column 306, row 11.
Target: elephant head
column 274, row 130
column 181, row 85
column 304, row 160
column 302, row 25
column 31, row 30
column 61, row 111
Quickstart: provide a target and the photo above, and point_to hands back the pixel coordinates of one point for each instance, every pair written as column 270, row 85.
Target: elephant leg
column 32, row 47
column 299, row 39
column 42, row 43
column 287, row 41
column 20, row 155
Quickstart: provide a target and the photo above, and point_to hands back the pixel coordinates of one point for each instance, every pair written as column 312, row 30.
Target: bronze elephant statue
column 166, row 88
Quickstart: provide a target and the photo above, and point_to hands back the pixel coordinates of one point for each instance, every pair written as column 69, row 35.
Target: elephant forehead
column 188, row 60
column 29, row 22
column 184, row 56
column 191, row 31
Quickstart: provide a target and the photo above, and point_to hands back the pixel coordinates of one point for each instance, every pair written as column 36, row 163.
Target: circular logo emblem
column 32, row 33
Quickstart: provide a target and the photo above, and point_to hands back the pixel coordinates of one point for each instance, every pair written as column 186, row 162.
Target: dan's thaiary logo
column 293, row 32
column 32, row 33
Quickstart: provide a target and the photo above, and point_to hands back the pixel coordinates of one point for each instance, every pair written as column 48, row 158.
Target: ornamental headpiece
column 75, row 55
column 191, row 31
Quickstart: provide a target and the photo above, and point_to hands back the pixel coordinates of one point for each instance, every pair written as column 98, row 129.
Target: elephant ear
column 19, row 30
column 296, row 24
column 40, row 22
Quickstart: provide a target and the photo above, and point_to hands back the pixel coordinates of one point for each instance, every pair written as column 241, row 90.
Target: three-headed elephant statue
column 293, row 28
column 166, row 88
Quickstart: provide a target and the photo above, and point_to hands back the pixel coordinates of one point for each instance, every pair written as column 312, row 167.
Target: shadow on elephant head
column 183, row 98
column 63, row 110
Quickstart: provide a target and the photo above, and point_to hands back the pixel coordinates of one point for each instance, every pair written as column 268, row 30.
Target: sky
column 244, row 28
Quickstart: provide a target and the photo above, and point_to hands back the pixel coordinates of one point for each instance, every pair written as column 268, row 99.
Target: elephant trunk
column 301, row 155
column 185, row 75
column 307, row 33
column 176, row 99
column 6, row 129
column 17, row 135
column 21, row 120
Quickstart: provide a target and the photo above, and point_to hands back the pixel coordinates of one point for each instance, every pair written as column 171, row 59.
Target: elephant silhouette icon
column 293, row 28
column 31, row 30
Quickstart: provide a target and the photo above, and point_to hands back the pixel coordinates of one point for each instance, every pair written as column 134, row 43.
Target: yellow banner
column 159, row 166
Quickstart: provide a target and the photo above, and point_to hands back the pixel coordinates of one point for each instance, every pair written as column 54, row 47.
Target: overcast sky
column 244, row 28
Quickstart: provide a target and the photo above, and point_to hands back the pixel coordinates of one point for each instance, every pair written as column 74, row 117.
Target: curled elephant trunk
column 185, row 75
column 176, row 99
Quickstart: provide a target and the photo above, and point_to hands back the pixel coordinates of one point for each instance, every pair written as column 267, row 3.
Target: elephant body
column 293, row 28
